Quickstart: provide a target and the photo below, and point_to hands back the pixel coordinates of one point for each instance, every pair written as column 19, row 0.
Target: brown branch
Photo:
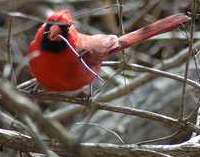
column 141, row 80
column 14, row 102
column 26, row 83
column 8, row 122
column 65, row 113
column 24, row 143
column 190, row 53
column 161, row 73
column 168, row 121
column 17, row 104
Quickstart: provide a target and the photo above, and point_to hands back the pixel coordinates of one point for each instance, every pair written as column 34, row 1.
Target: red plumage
column 58, row 68
column 60, row 71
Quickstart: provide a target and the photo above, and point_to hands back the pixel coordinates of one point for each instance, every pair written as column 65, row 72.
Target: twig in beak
column 80, row 57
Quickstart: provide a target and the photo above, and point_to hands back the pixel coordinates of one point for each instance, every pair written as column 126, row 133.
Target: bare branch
column 21, row 142
column 120, row 91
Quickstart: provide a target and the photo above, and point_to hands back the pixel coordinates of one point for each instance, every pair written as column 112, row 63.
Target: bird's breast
column 61, row 72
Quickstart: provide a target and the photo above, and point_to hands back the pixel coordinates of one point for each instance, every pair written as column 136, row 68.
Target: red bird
column 69, row 60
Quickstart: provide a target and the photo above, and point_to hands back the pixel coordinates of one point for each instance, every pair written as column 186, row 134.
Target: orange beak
column 54, row 32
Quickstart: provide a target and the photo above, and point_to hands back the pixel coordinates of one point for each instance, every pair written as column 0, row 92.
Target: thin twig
column 35, row 133
column 14, row 103
column 122, row 32
column 168, row 121
column 26, row 83
column 24, row 143
column 107, row 130
column 161, row 73
column 141, row 80
column 9, row 53
column 81, row 59
column 190, row 52
column 159, row 139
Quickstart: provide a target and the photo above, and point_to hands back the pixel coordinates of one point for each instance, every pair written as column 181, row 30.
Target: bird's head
column 60, row 23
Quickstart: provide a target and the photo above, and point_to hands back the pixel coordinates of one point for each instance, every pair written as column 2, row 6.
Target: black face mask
column 55, row 46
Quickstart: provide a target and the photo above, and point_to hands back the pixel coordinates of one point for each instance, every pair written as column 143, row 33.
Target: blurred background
column 160, row 95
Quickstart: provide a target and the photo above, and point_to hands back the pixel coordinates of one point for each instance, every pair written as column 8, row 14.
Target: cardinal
column 68, row 60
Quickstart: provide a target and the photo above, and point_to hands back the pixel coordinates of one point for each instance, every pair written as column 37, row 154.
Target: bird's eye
column 65, row 28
